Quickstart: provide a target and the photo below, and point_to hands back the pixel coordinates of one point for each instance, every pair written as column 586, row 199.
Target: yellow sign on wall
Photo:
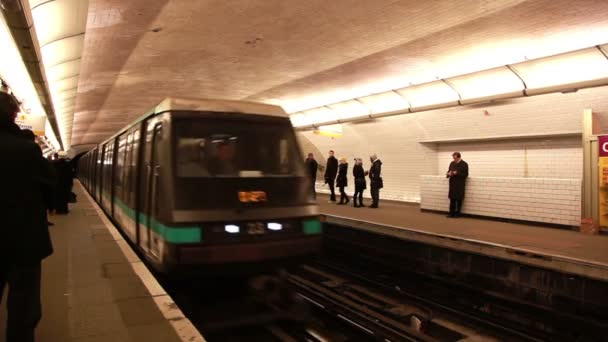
column 36, row 123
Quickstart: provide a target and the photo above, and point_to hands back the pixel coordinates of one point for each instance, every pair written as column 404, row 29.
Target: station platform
column 551, row 248
column 94, row 288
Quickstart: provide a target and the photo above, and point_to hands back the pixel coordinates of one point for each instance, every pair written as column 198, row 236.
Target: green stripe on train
column 312, row 227
column 170, row 234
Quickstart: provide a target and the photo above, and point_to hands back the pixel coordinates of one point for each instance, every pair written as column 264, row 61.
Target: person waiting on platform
column 458, row 172
column 24, row 234
column 61, row 191
column 331, row 170
column 360, row 182
column 311, row 167
column 47, row 190
column 375, row 181
column 342, row 181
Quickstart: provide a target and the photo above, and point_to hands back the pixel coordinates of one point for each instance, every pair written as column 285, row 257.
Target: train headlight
column 232, row 228
column 274, row 226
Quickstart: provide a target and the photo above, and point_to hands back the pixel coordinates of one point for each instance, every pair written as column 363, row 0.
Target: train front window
column 230, row 148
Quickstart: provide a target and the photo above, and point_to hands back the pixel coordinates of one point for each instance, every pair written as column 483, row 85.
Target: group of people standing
column 31, row 187
column 336, row 175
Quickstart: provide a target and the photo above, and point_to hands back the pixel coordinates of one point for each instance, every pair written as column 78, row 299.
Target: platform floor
column 94, row 288
column 590, row 250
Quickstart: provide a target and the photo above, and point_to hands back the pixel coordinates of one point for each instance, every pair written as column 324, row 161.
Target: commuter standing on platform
column 342, row 181
column 311, row 167
column 375, row 181
column 458, row 172
column 331, row 169
column 24, row 234
column 62, row 186
column 360, row 182
column 47, row 190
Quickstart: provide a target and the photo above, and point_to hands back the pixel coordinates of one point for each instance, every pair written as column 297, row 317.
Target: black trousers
column 358, row 193
column 455, row 206
column 332, row 188
column 313, row 189
column 343, row 196
column 23, row 305
column 375, row 192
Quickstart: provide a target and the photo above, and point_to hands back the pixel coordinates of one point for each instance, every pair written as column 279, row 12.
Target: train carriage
column 200, row 183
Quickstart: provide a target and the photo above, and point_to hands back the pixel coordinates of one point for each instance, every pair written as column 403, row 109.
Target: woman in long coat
column 360, row 182
column 342, row 181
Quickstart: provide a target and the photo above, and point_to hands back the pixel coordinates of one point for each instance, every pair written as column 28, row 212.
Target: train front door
column 152, row 210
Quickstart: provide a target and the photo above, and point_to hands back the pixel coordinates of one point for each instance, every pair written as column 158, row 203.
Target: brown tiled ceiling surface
column 303, row 54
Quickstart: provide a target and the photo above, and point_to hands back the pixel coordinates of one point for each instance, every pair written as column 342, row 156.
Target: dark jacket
column 342, row 172
column 312, row 167
column 457, row 182
column 331, row 169
column 359, row 174
column 374, row 174
column 24, row 234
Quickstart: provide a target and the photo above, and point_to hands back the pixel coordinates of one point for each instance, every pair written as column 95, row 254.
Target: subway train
column 207, row 184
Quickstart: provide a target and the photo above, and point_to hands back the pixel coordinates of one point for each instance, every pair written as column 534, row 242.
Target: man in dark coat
column 375, row 181
column 457, row 173
column 331, row 170
column 311, row 168
column 63, row 179
column 24, row 234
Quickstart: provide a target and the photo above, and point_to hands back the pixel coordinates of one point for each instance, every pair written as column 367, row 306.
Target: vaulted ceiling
column 304, row 54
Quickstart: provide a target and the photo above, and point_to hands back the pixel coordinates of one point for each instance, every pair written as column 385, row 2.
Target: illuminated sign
column 603, row 145
column 34, row 123
column 252, row 196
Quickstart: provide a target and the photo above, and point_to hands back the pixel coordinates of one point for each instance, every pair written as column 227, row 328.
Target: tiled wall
column 558, row 157
column 402, row 142
column 532, row 199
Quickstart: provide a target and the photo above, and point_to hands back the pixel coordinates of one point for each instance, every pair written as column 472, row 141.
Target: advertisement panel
column 36, row 123
column 603, row 174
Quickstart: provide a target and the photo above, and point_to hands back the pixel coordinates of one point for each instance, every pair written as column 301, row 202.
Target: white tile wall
column 531, row 199
column 560, row 157
column 396, row 140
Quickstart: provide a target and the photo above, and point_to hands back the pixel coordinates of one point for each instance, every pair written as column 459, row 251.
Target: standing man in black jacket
column 458, row 172
column 375, row 181
column 311, row 167
column 331, row 170
column 24, row 235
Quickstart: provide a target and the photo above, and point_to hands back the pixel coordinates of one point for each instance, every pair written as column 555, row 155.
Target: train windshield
column 236, row 148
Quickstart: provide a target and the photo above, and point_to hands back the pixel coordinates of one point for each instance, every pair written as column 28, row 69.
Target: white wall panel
column 396, row 140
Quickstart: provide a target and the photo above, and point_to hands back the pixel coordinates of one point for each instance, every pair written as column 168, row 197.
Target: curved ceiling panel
column 60, row 19
column 385, row 102
column 63, row 70
column 485, row 85
column 67, row 83
column 61, row 51
column 350, row 109
column 583, row 68
column 430, row 95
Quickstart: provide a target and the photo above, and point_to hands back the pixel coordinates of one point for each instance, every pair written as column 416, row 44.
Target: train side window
column 127, row 170
column 133, row 166
column 118, row 171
